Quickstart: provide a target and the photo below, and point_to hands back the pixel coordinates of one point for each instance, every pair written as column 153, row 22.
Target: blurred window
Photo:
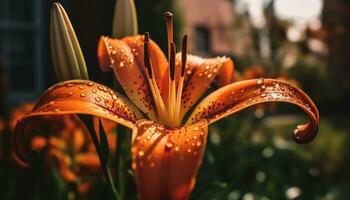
column 202, row 37
column 21, row 47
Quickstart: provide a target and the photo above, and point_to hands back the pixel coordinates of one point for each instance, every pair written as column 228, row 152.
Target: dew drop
column 97, row 99
column 195, row 137
column 260, row 81
column 169, row 146
column 189, row 150
column 94, row 91
column 81, row 87
column 177, row 148
column 70, row 85
column 70, row 93
column 90, row 84
column 141, row 153
column 52, row 102
column 121, row 64
column 263, row 95
column 187, row 140
column 56, row 110
column 82, row 94
column 198, row 144
column 196, row 128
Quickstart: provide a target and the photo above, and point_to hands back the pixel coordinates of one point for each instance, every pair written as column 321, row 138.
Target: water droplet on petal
column 82, row 95
column 141, row 153
column 169, row 146
column 97, row 99
column 260, row 81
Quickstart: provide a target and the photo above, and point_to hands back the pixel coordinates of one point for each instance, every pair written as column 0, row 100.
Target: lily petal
column 125, row 57
column 166, row 161
column 238, row 96
column 199, row 74
column 73, row 97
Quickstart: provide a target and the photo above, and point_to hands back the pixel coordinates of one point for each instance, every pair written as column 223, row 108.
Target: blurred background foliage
column 248, row 156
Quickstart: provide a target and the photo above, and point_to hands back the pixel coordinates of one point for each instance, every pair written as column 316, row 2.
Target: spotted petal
column 126, row 57
column 73, row 97
column 166, row 161
column 199, row 74
column 238, row 96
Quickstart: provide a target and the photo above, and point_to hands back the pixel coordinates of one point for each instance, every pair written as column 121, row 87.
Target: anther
column 183, row 55
column 172, row 61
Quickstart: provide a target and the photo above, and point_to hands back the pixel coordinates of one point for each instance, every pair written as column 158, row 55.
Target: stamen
column 147, row 59
column 172, row 105
column 172, row 61
column 152, row 83
column 181, row 81
column 183, row 55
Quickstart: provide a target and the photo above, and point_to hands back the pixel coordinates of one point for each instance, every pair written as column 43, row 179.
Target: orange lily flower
column 167, row 142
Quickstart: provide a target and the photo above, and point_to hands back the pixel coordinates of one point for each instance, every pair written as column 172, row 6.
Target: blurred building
column 209, row 24
column 336, row 16
column 22, row 53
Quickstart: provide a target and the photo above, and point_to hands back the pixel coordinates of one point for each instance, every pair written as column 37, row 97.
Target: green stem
column 122, row 157
column 87, row 120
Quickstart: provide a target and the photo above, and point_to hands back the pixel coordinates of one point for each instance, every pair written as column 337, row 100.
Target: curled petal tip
column 103, row 54
column 303, row 135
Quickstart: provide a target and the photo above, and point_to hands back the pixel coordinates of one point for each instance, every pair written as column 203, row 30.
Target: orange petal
column 88, row 161
column 126, row 59
column 199, row 75
column 38, row 143
column 73, row 97
column 238, row 96
column 166, row 161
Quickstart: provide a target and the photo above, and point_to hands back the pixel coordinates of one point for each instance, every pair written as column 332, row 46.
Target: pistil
column 168, row 17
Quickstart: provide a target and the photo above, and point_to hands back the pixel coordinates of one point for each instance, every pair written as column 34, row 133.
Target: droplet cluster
column 126, row 59
column 76, row 95
column 154, row 143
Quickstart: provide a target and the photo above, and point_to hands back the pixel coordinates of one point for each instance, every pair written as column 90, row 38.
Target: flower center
column 170, row 113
